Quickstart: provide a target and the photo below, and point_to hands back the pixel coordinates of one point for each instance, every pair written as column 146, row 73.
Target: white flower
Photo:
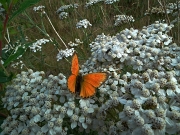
column 72, row 44
column 39, row 8
column 82, row 120
column 92, row 2
column 37, row 45
column 74, row 119
column 20, row 63
column 65, row 7
column 2, row 62
column 63, row 15
column 120, row 19
column 110, row 1
column 1, row 9
column 65, row 53
column 78, row 41
column 83, row 23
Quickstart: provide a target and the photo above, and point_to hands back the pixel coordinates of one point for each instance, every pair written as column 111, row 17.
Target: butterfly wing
column 75, row 65
column 75, row 72
column 87, row 90
column 72, row 83
column 90, row 82
column 95, row 79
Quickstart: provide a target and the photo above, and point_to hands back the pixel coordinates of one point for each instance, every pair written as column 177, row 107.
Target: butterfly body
column 84, row 85
column 79, row 79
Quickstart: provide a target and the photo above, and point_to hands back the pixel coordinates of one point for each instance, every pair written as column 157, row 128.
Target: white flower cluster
column 110, row 1
column 83, row 23
column 1, row 10
column 105, row 45
column 39, row 8
column 61, row 10
column 173, row 8
column 72, row 44
column 92, row 2
column 120, row 19
column 170, row 8
column 150, row 96
column 64, row 53
column 140, row 46
column 14, row 48
column 38, row 45
column 155, row 10
column 63, row 15
column 65, row 7
column 16, row 64
column 29, row 100
column 140, row 97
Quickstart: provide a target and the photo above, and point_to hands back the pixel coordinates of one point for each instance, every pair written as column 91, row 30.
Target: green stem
column 36, row 25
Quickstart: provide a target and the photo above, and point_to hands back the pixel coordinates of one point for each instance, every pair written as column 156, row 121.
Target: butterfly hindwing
column 72, row 83
column 87, row 90
column 75, row 72
column 90, row 82
column 75, row 65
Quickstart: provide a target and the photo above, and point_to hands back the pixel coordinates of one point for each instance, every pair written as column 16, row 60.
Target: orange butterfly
column 84, row 85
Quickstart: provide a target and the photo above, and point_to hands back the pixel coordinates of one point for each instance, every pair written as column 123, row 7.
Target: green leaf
column 5, row 55
column 9, row 58
column 24, row 5
column 13, row 57
column 4, row 78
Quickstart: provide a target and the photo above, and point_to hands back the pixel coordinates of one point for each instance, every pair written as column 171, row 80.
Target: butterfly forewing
column 95, row 79
column 75, row 65
column 75, row 72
